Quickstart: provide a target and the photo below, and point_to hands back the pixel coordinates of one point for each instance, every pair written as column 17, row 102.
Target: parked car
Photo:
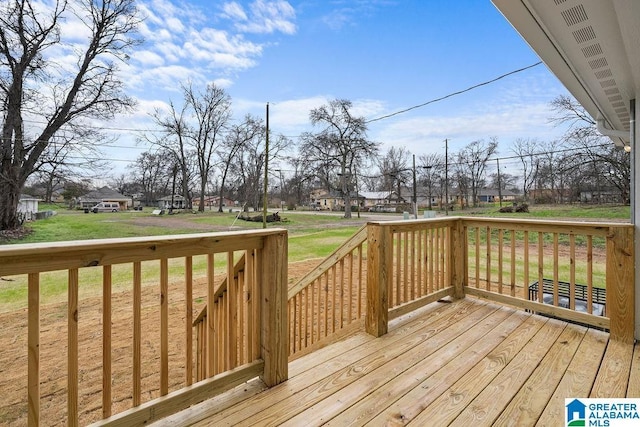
column 105, row 207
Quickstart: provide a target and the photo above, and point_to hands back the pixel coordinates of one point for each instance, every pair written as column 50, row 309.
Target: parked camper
column 105, row 207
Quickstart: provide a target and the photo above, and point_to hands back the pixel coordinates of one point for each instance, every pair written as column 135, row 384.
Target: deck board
column 613, row 375
column 578, row 378
column 532, row 398
column 465, row 363
column 403, row 386
column 418, row 364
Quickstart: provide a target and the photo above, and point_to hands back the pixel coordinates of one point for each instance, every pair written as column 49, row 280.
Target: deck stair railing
column 246, row 337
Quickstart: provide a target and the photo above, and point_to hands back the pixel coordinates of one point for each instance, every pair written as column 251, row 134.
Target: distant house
column 213, row 201
column 179, row 202
column 490, row 195
column 332, row 201
column 104, row 194
column 374, row 198
column 28, row 207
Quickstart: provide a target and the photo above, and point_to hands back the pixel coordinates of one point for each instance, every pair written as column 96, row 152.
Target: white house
column 28, row 207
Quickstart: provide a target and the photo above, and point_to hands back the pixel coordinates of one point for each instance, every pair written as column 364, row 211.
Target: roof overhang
column 592, row 46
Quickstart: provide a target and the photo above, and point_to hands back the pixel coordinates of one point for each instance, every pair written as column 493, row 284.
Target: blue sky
column 383, row 55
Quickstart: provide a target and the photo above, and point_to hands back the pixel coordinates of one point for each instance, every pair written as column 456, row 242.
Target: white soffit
column 592, row 46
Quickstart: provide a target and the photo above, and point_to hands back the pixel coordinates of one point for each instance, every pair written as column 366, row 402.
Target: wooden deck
column 463, row 363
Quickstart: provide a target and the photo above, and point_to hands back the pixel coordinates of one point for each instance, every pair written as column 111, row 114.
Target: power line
column 454, row 93
column 376, row 119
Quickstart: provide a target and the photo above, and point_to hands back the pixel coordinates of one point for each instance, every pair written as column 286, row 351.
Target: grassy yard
column 311, row 236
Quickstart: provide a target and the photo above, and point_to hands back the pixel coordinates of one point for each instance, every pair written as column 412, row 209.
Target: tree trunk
column 10, row 190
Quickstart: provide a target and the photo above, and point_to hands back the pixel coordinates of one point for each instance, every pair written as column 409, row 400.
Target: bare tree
column 211, row 111
column 341, row 142
column 431, row 173
column 608, row 164
column 472, row 165
column 251, row 162
column 153, row 172
column 237, row 138
column 394, row 169
column 527, row 150
column 174, row 140
column 31, row 85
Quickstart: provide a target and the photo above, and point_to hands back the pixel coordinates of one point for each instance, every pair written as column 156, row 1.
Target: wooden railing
column 235, row 340
column 246, row 338
column 329, row 301
column 385, row 270
column 577, row 271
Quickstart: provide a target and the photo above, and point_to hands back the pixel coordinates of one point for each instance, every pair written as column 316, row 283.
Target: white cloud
column 148, row 58
column 263, row 17
column 234, row 11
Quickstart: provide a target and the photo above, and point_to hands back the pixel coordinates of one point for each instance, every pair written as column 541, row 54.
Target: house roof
column 28, row 197
column 591, row 46
column 375, row 195
column 104, row 193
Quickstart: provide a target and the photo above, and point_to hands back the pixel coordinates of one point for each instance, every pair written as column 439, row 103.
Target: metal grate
column 592, row 50
column 584, row 35
column 598, row 63
column 574, row 15
column 608, row 83
column 603, row 74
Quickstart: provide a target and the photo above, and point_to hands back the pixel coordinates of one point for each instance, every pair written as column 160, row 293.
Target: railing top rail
column 592, row 227
column 40, row 257
column 543, row 225
column 353, row 242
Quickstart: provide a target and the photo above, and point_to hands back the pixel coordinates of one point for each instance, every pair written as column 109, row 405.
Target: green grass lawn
column 311, row 236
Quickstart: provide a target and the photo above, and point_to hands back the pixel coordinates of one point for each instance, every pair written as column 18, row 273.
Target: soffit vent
column 598, row 63
column 617, row 104
column 603, row 74
column 559, row 1
column 615, row 98
column 584, row 35
column 574, row 15
column 608, row 83
column 611, row 91
column 593, row 50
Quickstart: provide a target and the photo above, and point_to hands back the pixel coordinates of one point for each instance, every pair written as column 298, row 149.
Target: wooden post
column 33, row 361
column 379, row 264
column 620, row 283
column 273, row 309
column 458, row 261
column 72, row 349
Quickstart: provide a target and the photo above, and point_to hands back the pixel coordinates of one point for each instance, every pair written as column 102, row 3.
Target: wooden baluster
column 210, row 335
column 500, row 258
column 232, row 315
column 72, row 349
column 106, row 341
column 33, row 342
column 164, row 327
column 513, row 263
column 137, row 333
column 188, row 301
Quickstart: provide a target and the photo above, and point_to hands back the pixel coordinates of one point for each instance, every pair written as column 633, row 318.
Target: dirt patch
column 53, row 356
column 14, row 234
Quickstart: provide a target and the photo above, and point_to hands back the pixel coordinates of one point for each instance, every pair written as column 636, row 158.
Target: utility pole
column 499, row 183
column 446, row 177
column 266, row 174
column 415, row 191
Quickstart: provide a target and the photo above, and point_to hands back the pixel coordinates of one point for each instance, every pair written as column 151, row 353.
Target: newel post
column 379, row 266
column 458, row 259
column 274, row 331
column 620, row 283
